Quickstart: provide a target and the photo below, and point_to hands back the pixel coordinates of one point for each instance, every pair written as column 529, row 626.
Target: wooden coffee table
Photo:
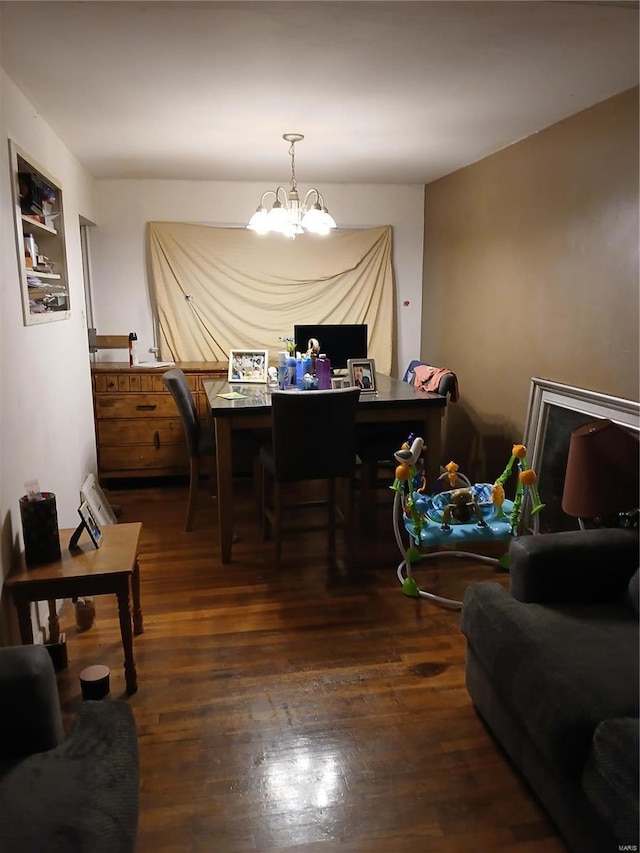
column 111, row 568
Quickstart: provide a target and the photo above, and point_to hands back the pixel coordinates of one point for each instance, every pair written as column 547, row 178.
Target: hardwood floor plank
column 310, row 709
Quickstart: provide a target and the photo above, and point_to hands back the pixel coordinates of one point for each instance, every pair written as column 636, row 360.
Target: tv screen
column 338, row 342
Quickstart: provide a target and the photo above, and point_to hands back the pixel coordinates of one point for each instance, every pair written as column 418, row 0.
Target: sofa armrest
column 574, row 567
column 30, row 704
column 82, row 795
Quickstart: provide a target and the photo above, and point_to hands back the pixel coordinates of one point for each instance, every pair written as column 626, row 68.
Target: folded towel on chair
column 428, row 378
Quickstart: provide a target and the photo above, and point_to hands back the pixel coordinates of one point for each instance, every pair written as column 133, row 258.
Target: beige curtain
column 217, row 289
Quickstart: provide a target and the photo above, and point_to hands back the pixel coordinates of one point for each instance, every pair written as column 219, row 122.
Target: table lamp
column 602, row 477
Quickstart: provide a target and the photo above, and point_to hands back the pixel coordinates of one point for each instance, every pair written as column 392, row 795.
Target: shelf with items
column 41, row 275
column 40, row 241
column 29, row 221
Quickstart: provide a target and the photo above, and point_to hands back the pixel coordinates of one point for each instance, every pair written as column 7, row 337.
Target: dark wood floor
column 309, row 709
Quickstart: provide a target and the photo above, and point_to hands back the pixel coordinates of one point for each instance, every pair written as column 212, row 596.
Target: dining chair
column 376, row 443
column 312, row 439
column 200, row 443
column 112, row 342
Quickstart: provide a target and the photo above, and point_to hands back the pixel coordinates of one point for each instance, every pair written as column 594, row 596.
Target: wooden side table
column 111, row 568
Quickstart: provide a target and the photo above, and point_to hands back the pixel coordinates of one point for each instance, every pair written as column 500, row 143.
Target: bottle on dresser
column 133, row 349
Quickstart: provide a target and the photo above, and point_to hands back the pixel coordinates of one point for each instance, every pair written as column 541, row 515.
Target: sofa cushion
column 610, row 778
column 81, row 796
column 561, row 670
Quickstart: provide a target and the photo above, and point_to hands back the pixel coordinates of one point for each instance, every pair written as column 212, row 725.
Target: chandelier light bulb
column 288, row 215
column 258, row 221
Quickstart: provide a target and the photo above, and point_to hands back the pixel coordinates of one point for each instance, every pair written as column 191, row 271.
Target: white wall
column 123, row 207
column 46, row 415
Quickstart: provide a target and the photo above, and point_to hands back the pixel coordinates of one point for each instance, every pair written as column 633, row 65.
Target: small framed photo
column 90, row 523
column 91, row 492
column 248, row 365
column 362, row 374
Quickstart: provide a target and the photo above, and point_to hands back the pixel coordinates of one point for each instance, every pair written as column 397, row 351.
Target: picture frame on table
column 554, row 410
column 362, row 374
column 90, row 523
column 91, row 492
column 248, row 365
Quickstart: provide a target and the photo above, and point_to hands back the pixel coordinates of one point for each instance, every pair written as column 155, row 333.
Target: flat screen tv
column 338, row 342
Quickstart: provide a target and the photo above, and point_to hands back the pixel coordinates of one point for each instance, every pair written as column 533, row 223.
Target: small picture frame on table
column 248, row 365
column 362, row 374
column 90, row 523
column 91, row 492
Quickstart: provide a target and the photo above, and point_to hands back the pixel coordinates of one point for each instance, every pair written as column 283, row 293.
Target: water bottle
column 299, row 370
column 283, row 371
column 133, row 349
column 323, row 372
column 291, row 369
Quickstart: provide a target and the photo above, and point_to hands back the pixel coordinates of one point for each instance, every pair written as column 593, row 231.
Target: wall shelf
column 39, row 226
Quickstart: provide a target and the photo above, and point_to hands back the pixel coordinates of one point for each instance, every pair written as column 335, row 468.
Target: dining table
column 237, row 407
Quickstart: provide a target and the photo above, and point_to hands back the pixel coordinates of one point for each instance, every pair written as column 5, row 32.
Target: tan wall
column 531, row 269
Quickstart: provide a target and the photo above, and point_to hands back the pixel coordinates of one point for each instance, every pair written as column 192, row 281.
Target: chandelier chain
column 292, row 153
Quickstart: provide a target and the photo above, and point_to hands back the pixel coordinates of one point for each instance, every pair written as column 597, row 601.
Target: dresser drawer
column 135, row 406
column 131, row 383
column 155, row 431
column 147, row 459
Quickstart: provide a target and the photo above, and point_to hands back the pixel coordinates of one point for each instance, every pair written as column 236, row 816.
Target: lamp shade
column 602, row 471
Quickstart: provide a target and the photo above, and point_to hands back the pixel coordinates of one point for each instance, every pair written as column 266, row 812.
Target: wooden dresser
column 138, row 429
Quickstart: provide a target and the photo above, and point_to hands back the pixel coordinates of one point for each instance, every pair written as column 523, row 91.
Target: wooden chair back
column 313, row 434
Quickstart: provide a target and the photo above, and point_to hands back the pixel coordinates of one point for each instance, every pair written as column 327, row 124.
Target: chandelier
column 288, row 215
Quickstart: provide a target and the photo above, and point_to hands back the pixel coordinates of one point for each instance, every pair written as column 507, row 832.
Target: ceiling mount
column 293, row 137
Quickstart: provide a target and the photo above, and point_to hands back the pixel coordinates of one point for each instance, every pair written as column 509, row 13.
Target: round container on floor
column 94, row 682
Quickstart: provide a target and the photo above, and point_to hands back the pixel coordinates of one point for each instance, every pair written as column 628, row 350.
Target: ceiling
column 385, row 92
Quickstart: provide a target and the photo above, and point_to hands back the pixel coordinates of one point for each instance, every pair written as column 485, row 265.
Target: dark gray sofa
column 552, row 669
column 57, row 795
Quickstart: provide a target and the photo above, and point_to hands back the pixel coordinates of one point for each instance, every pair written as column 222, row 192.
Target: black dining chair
column 200, row 443
column 312, row 438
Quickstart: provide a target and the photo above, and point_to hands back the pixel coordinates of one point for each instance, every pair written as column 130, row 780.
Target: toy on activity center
column 457, row 512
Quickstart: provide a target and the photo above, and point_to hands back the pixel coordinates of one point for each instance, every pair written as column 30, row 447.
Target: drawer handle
column 156, row 440
column 148, row 408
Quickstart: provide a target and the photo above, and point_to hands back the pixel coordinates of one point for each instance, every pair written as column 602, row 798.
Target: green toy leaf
column 410, row 587
column 503, row 562
column 412, row 555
